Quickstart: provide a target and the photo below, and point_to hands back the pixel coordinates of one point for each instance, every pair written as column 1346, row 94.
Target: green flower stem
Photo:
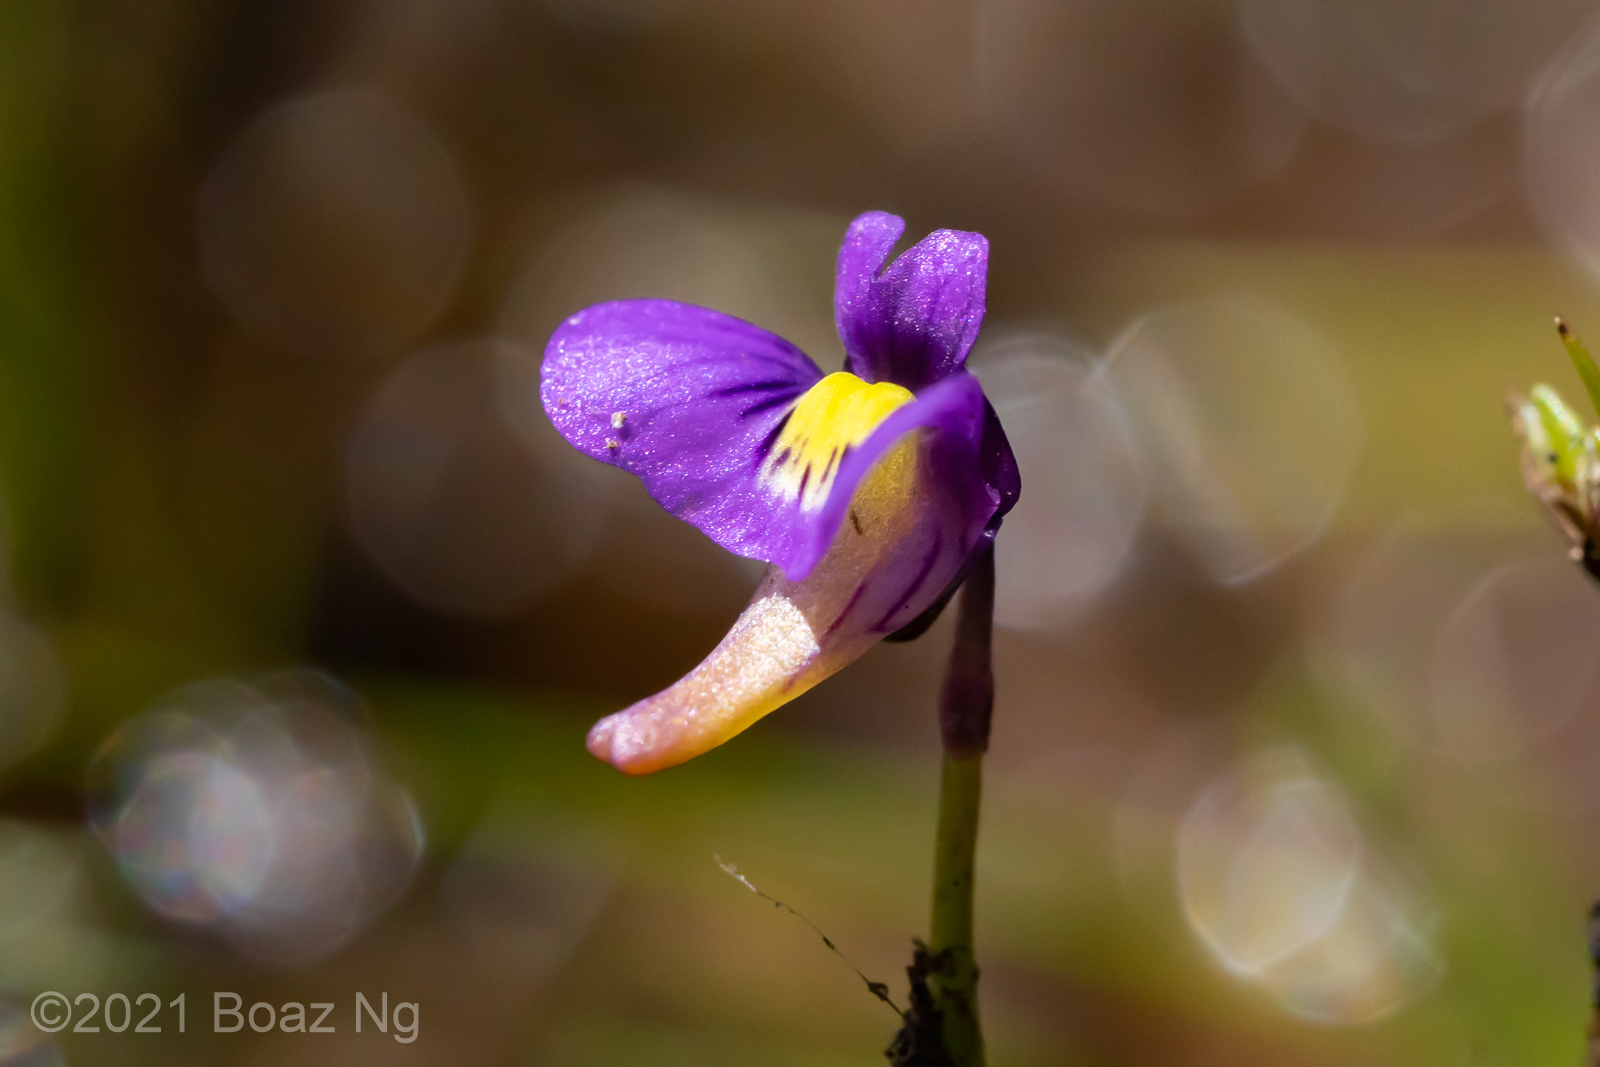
column 954, row 981
column 964, row 716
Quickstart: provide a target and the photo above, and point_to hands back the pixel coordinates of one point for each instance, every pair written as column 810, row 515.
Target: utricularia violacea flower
column 868, row 492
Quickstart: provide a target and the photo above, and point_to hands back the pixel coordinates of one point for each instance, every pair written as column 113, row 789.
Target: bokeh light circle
column 1381, row 644
column 1267, row 859
column 1411, row 72
column 1277, row 879
column 1561, row 149
column 256, row 811
column 1249, row 423
column 1515, row 662
column 1072, row 530
column 452, row 502
column 335, row 226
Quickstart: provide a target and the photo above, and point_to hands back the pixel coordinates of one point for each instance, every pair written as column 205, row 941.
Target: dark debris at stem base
column 920, row 1042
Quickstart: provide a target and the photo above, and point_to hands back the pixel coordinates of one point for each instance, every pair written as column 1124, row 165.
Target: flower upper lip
column 913, row 321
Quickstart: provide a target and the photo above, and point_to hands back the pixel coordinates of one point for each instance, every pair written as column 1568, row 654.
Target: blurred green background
column 1297, row 741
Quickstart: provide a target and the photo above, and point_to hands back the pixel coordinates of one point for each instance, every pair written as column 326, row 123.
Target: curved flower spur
column 868, row 492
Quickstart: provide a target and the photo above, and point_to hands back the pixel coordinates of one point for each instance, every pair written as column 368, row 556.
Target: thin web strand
column 877, row 989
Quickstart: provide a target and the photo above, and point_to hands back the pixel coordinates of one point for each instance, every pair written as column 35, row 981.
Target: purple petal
column 866, row 248
column 999, row 466
column 686, row 398
column 914, row 322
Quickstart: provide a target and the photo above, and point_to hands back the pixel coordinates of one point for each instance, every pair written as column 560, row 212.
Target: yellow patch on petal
column 837, row 413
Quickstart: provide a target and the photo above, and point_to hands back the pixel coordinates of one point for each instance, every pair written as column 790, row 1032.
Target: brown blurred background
column 1297, row 747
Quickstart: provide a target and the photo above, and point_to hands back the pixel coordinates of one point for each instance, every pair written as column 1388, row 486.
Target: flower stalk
column 954, row 981
column 944, row 975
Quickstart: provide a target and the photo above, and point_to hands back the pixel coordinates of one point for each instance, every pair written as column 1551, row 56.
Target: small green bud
column 1561, row 456
column 1563, row 435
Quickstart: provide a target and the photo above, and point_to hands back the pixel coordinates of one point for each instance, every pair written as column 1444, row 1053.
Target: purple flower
column 868, row 491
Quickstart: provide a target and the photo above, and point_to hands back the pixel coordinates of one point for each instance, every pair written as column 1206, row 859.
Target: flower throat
column 835, row 415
